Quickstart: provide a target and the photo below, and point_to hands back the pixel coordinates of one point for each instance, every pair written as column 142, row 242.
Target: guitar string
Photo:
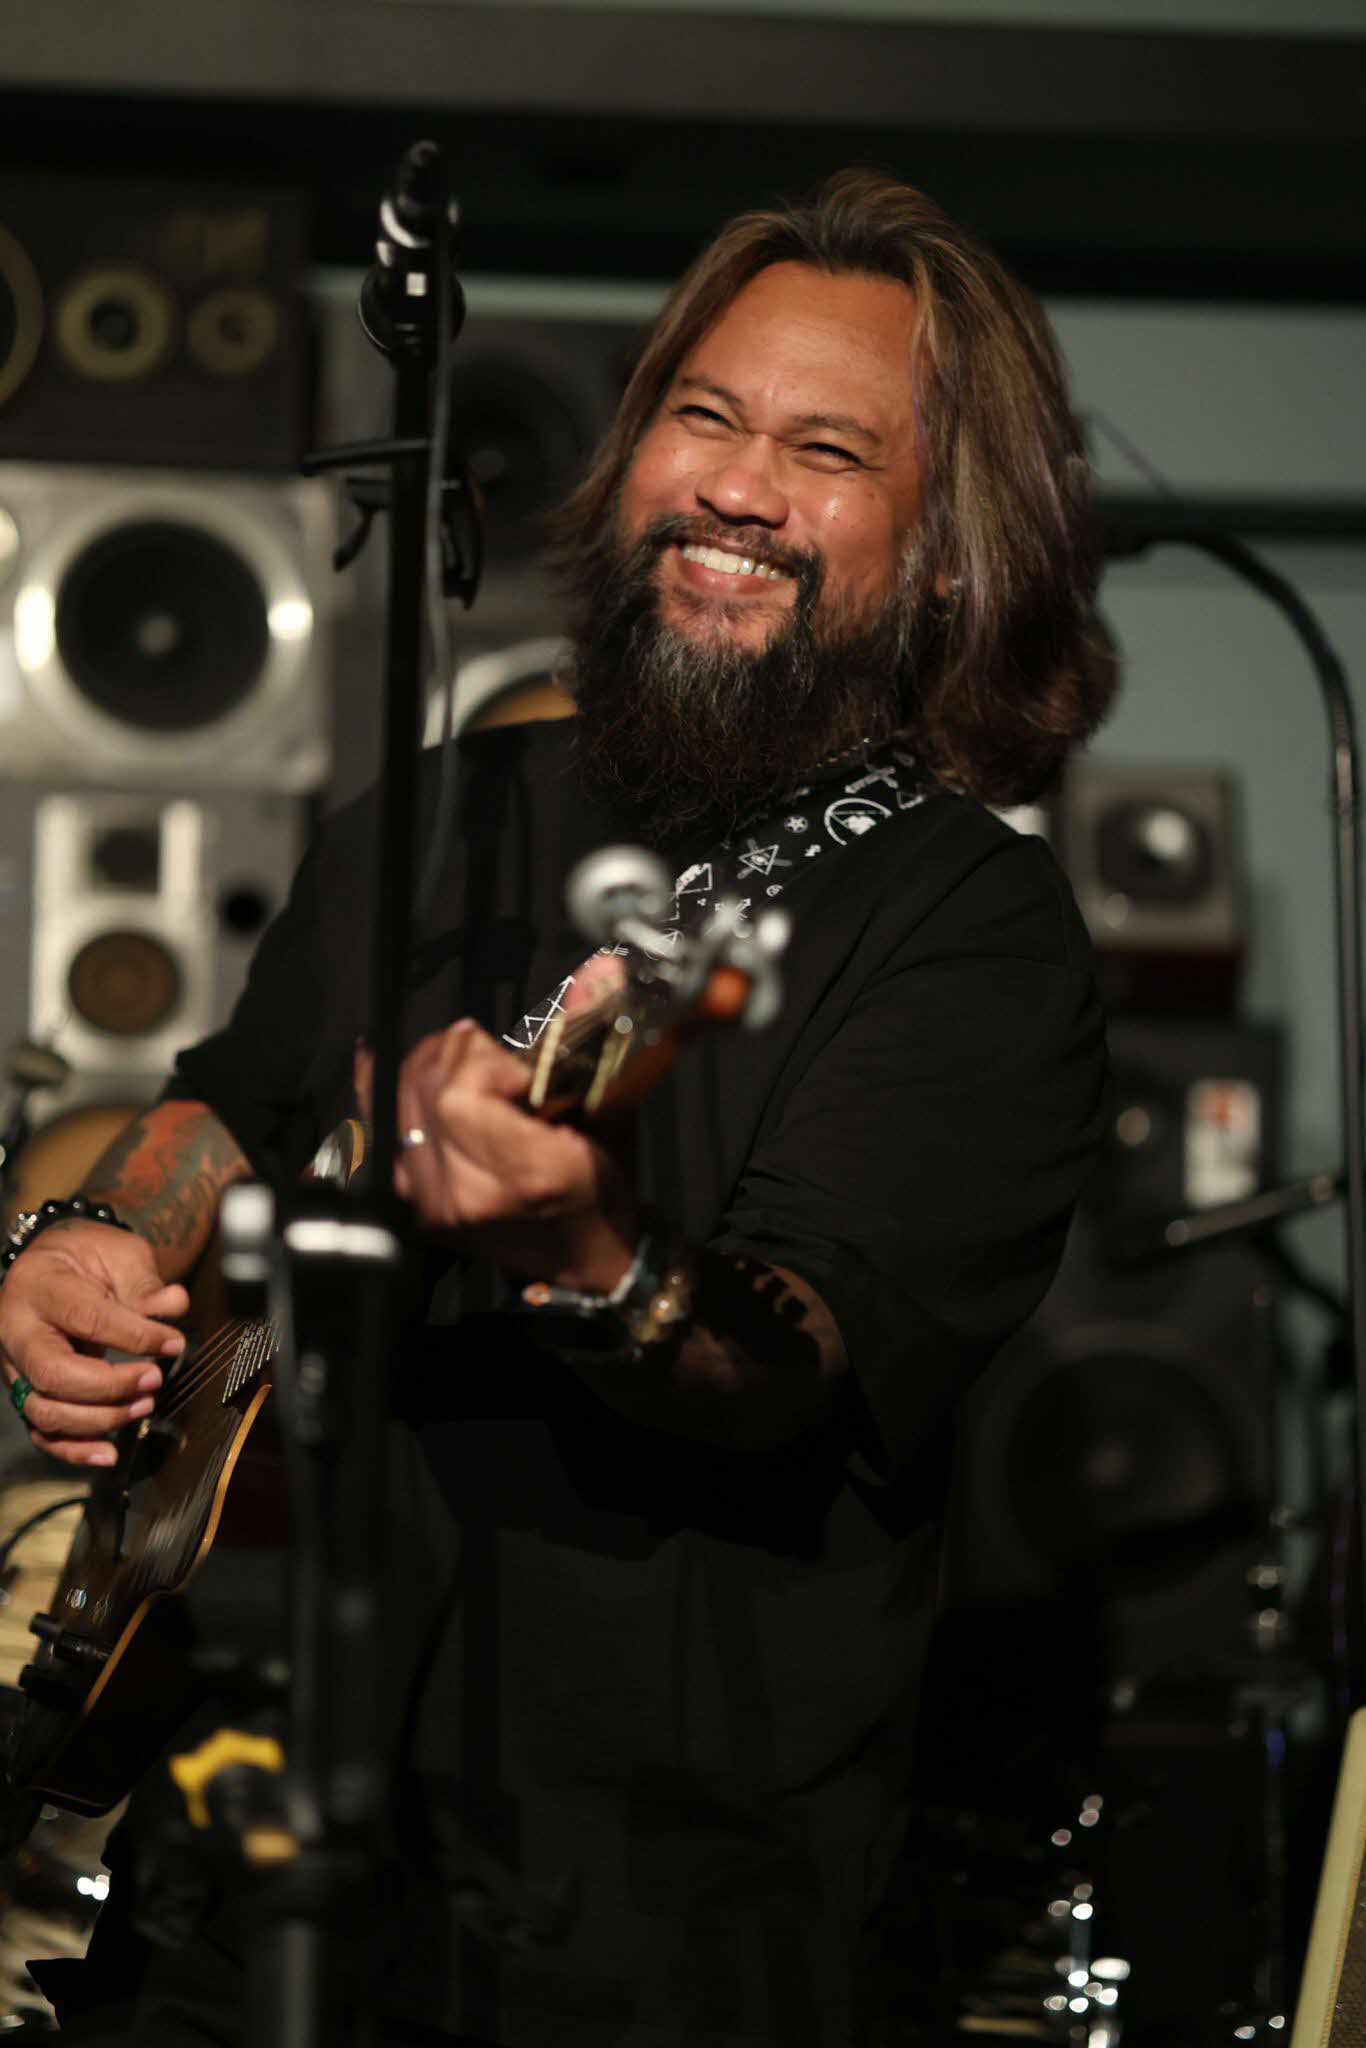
column 207, row 1369
column 202, row 1364
column 213, row 1361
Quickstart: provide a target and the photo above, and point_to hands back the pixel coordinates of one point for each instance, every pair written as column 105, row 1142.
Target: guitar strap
column 768, row 856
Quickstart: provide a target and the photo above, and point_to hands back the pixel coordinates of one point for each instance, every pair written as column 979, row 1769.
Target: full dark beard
column 683, row 734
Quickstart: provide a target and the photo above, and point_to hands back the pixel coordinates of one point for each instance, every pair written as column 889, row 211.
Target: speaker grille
column 126, row 983
column 162, row 626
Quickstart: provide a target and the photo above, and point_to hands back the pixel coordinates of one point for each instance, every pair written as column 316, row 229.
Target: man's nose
column 745, row 486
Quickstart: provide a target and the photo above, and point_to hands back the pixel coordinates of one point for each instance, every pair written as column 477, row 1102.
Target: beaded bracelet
column 27, row 1225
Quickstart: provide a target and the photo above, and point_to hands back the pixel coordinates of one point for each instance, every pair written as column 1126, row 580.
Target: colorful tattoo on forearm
column 166, row 1173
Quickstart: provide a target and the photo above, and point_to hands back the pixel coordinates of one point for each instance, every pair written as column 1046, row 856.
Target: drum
column 61, row 1152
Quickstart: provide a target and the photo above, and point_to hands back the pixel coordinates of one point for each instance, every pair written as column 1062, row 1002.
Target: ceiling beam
column 682, row 64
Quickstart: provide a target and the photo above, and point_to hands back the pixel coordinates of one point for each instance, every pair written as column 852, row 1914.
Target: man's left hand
column 542, row 1198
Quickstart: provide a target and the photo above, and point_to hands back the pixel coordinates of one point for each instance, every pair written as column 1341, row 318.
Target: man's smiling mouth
column 728, row 564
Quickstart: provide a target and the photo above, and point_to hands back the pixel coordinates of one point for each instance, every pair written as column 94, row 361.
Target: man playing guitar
column 831, row 578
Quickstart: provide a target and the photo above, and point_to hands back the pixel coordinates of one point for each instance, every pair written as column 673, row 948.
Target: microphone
column 397, row 300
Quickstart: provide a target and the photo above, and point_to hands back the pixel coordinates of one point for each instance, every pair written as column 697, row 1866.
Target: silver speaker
column 164, row 630
column 127, row 920
column 1155, row 857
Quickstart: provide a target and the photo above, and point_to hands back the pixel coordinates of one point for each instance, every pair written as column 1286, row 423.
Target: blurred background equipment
column 1119, row 1447
column 166, row 614
column 127, row 919
column 164, row 629
column 1125, row 1458
column 1155, row 858
column 152, row 321
column 539, row 370
column 52, row 1886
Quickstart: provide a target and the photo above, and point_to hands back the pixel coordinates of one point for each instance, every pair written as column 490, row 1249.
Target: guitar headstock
column 675, row 985
column 604, row 1058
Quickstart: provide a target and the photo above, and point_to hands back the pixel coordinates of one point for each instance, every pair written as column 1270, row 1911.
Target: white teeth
column 729, row 565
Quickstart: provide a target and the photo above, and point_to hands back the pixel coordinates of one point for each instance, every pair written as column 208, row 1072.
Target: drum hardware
column 30, row 1067
column 52, row 1886
column 1014, row 1912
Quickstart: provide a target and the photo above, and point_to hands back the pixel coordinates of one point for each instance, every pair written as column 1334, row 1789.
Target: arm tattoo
column 165, row 1175
column 766, row 1312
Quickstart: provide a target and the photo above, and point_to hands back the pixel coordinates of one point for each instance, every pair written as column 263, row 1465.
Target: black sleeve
column 252, row 1072
column 922, row 1171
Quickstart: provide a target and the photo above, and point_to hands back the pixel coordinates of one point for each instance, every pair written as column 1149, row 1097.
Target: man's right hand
column 77, row 1290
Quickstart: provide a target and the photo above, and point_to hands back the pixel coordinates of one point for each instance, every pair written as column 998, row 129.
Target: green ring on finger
column 19, row 1393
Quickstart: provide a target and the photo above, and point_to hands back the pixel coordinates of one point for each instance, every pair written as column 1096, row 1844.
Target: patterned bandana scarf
column 765, row 858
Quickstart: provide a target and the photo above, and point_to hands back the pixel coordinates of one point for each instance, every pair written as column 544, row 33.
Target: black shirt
column 656, row 1698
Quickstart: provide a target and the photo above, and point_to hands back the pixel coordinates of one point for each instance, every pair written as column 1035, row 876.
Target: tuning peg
column 757, row 953
column 619, row 893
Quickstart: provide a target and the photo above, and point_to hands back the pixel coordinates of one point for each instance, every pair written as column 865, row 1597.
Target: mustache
column 806, row 566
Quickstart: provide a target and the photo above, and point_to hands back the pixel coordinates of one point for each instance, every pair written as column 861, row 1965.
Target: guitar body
column 113, row 1671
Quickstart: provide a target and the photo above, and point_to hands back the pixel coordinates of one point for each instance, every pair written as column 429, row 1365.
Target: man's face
column 786, row 440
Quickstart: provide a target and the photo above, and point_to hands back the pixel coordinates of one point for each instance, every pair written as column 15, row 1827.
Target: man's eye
column 701, row 415
column 831, row 453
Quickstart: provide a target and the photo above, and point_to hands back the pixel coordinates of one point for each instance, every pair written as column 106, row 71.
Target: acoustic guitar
column 112, row 1673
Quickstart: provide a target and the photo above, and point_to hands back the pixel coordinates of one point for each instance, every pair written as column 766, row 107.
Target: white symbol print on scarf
column 852, row 816
column 761, row 860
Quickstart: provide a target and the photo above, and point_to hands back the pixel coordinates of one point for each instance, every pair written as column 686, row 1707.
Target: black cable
column 438, row 624
column 74, row 1500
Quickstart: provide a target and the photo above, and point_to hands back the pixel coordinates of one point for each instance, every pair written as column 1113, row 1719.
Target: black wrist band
column 647, row 1311
column 29, row 1223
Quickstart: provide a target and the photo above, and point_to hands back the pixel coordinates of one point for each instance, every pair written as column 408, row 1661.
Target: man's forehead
column 833, row 345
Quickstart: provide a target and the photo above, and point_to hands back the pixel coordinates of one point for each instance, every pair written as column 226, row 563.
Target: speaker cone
column 124, row 982
column 1155, row 853
column 1154, row 1465
column 233, row 332
column 162, row 626
column 116, row 325
column 523, row 444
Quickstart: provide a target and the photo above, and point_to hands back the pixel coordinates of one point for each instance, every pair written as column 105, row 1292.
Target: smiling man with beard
column 668, row 1464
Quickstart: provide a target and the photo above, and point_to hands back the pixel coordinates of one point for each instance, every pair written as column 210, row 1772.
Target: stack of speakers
column 165, row 601
column 1119, row 1457
column 1120, row 1443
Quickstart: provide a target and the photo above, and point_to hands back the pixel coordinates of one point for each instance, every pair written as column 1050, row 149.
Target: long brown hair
column 1015, row 668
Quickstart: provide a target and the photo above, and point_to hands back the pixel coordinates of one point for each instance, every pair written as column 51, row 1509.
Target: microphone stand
column 1133, row 534
column 316, row 1836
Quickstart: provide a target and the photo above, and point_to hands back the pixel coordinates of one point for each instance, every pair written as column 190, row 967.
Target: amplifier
column 147, row 322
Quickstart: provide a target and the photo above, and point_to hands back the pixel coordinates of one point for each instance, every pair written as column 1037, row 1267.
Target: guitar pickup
column 65, row 1642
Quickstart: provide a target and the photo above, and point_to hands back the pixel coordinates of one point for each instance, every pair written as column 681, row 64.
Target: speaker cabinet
column 146, row 322
column 164, row 629
column 538, row 371
column 1154, row 856
column 1117, row 1452
column 128, row 923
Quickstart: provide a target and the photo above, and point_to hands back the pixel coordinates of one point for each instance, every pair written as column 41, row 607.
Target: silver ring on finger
column 412, row 1138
